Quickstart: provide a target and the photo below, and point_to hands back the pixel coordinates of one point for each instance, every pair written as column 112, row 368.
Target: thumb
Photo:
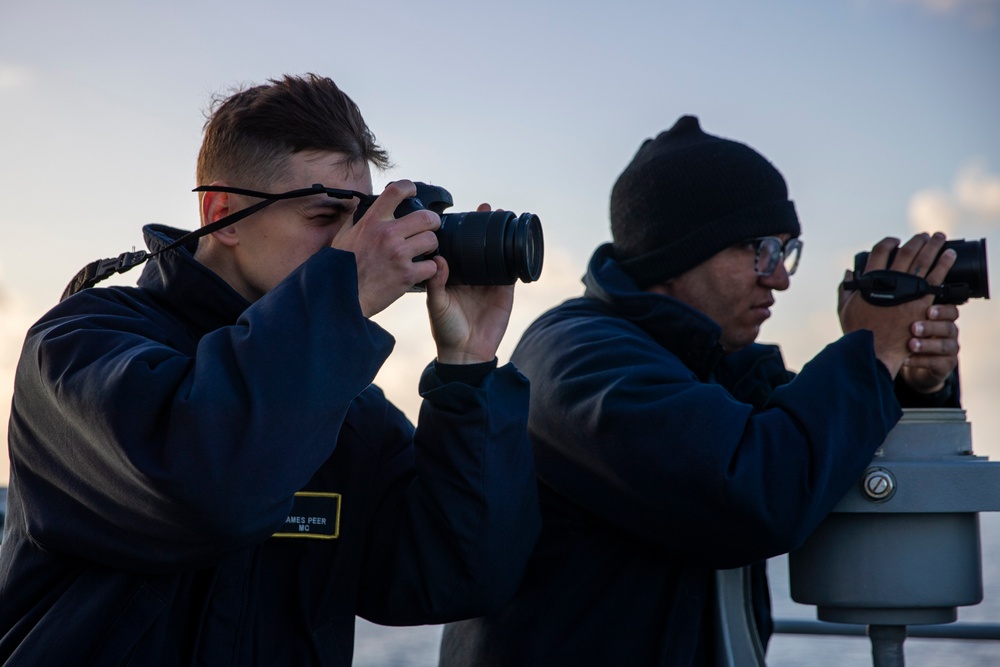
column 342, row 238
column 844, row 294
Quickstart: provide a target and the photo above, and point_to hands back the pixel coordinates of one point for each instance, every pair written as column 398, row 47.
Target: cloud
column 933, row 211
column 978, row 192
column 973, row 201
column 981, row 13
column 13, row 76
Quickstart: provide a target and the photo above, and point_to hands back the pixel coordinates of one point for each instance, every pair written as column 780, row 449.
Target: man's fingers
column 943, row 312
column 385, row 204
column 843, row 294
column 944, row 264
column 937, row 347
column 906, row 254
column 418, row 222
column 929, row 329
column 927, row 254
column 878, row 258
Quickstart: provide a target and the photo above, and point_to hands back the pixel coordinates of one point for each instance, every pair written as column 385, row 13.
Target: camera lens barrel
column 491, row 247
column 970, row 268
column 527, row 247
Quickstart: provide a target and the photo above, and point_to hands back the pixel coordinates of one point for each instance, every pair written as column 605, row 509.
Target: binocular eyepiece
column 481, row 247
column 967, row 279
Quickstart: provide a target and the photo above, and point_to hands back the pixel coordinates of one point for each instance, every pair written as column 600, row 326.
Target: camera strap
column 101, row 269
column 891, row 288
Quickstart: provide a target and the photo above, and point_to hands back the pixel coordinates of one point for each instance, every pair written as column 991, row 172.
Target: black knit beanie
column 686, row 195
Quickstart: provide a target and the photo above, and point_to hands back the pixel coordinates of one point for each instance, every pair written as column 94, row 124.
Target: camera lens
column 491, row 247
column 481, row 247
column 525, row 247
column 970, row 267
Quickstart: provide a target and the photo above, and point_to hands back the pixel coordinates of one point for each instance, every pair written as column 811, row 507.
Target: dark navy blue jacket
column 659, row 461
column 200, row 481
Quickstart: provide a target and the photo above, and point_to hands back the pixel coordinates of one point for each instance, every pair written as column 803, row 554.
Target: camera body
column 967, row 279
column 481, row 247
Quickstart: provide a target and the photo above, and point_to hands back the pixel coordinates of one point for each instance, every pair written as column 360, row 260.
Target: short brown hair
column 251, row 132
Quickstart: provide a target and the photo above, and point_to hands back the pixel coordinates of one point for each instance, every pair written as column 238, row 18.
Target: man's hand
column 384, row 248
column 929, row 353
column 935, row 350
column 467, row 321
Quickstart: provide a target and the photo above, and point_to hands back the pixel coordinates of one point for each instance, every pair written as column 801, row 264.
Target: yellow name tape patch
column 314, row 515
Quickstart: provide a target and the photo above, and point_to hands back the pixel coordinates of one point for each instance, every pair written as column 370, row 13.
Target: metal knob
column 878, row 484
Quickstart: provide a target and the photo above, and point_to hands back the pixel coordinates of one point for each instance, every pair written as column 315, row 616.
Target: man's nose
column 778, row 280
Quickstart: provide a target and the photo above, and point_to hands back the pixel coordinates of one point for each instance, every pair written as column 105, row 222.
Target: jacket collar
column 688, row 333
column 185, row 285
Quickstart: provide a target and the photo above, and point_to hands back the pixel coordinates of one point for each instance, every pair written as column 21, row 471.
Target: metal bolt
column 878, row 484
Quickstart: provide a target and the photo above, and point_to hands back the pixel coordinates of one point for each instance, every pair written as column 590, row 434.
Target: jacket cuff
column 947, row 397
column 471, row 374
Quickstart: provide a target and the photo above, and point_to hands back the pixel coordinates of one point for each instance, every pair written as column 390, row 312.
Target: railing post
column 887, row 645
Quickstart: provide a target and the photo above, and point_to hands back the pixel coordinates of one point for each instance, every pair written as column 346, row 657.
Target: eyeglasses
column 770, row 250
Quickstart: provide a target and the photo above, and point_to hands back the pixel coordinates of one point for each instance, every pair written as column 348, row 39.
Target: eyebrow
column 340, row 205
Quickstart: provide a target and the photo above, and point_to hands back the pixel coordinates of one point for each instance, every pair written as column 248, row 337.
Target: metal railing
column 957, row 630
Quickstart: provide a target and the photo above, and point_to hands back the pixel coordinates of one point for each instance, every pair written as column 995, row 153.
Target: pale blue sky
column 878, row 112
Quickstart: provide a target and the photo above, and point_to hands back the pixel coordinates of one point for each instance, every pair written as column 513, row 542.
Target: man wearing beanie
column 674, row 454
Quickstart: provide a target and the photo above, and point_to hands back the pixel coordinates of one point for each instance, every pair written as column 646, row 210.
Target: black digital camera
column 482, row 248
column 967, row 279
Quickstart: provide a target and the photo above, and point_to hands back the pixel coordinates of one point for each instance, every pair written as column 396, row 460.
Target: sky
column 882, row 115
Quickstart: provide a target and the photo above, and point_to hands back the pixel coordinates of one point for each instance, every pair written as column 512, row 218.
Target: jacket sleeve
column 459, row 516
column 625, row 432
column 141, row 452
column 949, row 396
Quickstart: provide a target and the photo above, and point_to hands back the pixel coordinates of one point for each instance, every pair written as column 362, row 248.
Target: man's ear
column 664, row 287
column 214, row 207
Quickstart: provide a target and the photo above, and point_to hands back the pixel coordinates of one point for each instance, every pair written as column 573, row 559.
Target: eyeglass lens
column 771, row 251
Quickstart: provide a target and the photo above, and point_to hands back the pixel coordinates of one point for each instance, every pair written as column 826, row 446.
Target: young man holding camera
column 675, row 454
column 202, row 471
